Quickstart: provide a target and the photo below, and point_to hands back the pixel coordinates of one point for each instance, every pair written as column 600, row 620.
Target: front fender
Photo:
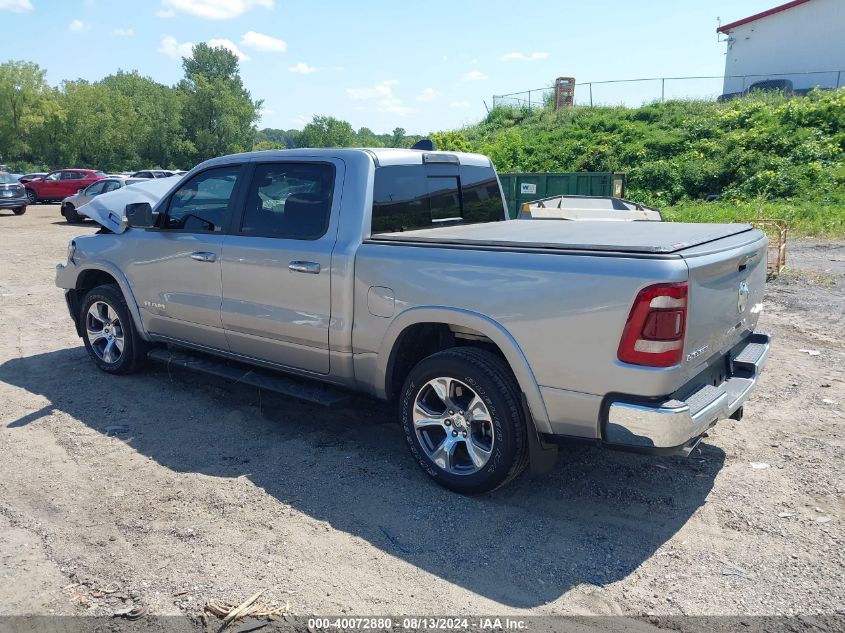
column 475, row 321
column 68, row 276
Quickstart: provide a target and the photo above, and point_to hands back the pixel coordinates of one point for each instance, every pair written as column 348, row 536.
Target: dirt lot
column 213, row 490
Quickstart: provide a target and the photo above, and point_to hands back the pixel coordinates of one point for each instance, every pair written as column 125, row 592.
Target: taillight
column 654, row 333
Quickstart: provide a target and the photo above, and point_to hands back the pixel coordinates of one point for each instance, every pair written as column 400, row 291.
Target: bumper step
column 301, row 389
column 677, row 421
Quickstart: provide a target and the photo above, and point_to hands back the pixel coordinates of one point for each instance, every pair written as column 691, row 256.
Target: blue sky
column 422, row 66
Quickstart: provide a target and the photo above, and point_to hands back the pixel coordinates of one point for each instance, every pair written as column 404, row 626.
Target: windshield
column 7, row 179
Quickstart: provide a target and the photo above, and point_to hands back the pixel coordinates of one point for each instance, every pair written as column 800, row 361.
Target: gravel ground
column 209, row 490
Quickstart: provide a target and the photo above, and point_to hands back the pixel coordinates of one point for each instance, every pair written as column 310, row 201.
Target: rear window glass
column 408, row 197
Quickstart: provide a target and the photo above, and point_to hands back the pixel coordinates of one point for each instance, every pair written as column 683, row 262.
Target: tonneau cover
column 588, row 235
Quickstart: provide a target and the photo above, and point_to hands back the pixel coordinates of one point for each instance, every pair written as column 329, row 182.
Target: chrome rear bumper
column 676, row 423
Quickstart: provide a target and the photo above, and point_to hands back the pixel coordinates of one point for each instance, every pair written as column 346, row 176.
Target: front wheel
column 31, row 196
column 69, row 211
column 462, row 418
column 109, row 332
column 19, row 211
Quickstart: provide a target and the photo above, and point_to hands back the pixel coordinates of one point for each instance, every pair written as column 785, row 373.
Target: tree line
column 327, row 131
column 126, row 121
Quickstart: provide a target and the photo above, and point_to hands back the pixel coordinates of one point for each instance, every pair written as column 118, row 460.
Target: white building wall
column 808, row 37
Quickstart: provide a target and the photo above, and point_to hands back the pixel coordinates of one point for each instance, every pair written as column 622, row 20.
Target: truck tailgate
column 726, row 285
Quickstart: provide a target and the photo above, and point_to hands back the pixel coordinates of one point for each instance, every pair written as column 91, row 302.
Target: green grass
column 817, row 218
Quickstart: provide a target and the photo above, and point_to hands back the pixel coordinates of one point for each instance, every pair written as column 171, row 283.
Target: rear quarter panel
column 565, row 312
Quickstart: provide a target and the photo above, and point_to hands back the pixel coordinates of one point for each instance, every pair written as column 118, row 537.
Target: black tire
column 134, row 353
column 19, row 211
column 69, row 211
column 494, row 383
column 31, row 196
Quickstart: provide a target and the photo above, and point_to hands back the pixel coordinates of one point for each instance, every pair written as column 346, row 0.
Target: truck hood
column 660, row 238
column 108, row 208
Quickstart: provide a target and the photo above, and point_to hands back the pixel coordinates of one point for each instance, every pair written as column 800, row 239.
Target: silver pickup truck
column 397, row 274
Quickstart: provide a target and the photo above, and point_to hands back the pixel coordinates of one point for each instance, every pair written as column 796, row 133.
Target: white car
column 149, row 174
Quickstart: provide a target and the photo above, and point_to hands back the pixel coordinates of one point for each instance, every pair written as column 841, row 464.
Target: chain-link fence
column 633, row 92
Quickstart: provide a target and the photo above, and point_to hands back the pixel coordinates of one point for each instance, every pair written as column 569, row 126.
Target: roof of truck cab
column 382, row 156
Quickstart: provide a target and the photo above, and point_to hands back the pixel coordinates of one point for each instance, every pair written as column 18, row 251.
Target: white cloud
column 522, row 57
column 123, row 32
column 16, row 6
column 173, row 49
column 77, row 26
column 229, row 45
column 381, row 95
column 300, row 120
column 428, row 94
column 459, row 104
column 262, row 42
column 303, row 68
column 474, row 75
column 211, row 9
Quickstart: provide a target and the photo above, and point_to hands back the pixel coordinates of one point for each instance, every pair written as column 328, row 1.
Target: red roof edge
column 727, row 27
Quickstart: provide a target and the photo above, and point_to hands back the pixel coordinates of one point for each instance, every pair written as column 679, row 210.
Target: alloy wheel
column 104, row 332
column 453, row 425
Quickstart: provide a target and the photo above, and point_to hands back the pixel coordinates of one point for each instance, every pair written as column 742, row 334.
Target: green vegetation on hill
column 766, row 155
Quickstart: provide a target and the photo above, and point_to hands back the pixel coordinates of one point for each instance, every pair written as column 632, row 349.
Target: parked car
column 61, row 183
column 12, row 194
column 72, row 203
column 149, row 174
column 33, row 176
column 396, row 273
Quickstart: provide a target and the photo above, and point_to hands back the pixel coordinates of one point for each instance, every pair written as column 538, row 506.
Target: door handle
column 312, row 268
column 204, row 257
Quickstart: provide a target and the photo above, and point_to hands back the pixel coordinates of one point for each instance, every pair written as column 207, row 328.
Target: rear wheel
column 463, row 421
column 109, row 333
column 31, row 196
column 69, row 211
column 19, row 211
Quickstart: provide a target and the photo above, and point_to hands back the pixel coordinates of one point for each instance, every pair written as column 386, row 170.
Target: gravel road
column 167, row 489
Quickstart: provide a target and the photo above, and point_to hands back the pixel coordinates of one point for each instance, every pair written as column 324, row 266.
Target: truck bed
column 660, row 238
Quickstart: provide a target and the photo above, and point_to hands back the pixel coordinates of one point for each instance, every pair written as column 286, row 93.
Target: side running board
column 303, row 389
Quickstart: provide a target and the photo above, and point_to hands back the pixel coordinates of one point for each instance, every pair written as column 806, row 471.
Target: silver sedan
column 84, row 196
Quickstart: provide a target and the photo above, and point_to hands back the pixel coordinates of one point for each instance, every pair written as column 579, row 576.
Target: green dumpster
column 525, row 187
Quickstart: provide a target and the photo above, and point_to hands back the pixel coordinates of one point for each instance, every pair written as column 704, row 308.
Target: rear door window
column 409, row 197
column 204, row 203
column 289, row 200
